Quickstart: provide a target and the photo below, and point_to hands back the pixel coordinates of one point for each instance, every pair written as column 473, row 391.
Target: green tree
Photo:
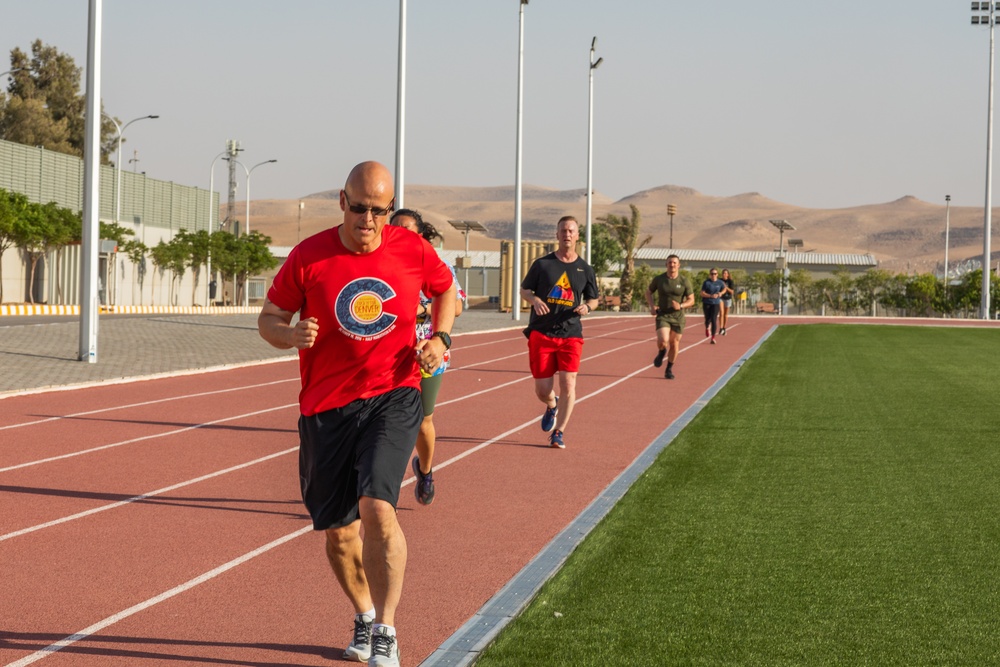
column 604, row 252
column 969, row 293
column 644, row 275
column 257, row 254
column 871, row 285
column 922, row 294
column 65, row 227
column 136, row 252
column 800, row 286
column 13, row 205
column 31, row 232
column 626, row 232
column 44, row 105
column 195, row 248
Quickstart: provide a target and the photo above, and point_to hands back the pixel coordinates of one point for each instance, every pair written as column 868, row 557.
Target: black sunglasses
column 363, row 210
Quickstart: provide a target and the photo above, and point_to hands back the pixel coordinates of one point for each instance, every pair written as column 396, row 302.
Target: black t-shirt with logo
column 562, row 286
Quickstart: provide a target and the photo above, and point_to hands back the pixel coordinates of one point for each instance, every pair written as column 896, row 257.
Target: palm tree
column 626, row 232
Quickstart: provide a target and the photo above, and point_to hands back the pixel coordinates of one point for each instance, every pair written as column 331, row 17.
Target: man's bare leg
column 344, row 551
column 384, row 557
column 567, row 397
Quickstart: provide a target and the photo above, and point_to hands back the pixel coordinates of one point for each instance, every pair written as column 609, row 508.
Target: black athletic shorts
column 361, row 449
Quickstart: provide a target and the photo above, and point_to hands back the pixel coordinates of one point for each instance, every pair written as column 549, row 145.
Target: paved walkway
column 44, row 353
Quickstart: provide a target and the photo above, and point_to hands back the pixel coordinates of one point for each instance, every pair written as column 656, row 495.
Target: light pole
column 11, row 71
column 990, row 20
column 211, row 228
column 594, row 64
column 246, row 223
column 91, row 189
column 783, row 226
column 671, row 211
column 298, row 236
column 401, row 106
column 120, row 129
column 947, row 225
column 516, row 272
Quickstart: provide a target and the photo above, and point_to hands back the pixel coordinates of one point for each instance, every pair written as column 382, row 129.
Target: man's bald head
column 370, row 179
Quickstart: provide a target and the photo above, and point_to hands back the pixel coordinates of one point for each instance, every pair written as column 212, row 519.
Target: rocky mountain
column 905, row 235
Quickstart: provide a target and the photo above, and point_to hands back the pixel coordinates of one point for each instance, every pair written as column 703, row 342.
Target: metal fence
column 46, row 176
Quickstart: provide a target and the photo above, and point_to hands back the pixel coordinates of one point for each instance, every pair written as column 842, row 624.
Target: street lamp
column 211, row 229
column 594, row 64
column 947, row 225
column 246, row 224
column 671, row 211
column 516, row 273
column 990, row 20
column 783, row 226
column 118, row 162
column 401, row 107
column 11, row 71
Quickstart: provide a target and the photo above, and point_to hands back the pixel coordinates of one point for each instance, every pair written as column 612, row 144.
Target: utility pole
column 232, row 149
column 671, row 211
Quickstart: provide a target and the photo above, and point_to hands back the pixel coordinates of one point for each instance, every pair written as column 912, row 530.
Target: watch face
column 445, row 338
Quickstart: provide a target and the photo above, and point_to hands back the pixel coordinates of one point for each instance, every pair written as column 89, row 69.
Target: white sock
column 368, row 616
column 386, row 629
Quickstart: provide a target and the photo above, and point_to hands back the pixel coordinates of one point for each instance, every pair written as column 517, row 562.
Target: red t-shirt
column 366, row 307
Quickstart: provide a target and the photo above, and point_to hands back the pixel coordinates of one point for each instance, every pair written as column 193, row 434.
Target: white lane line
column 145, row 437
column 133, row 499
column 211, row 574
column 144, row 403
column 142, row 606
column 143, row 378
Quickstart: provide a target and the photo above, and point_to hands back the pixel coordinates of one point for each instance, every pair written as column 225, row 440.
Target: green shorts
column 674, row 320
column 429, row 388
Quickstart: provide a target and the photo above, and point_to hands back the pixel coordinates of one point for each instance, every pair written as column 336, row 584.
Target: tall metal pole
column 246, row 287
column 947, row 226
column 590, row 146
column 516, row 273
column 401, row 106
column 118, row 162
column 91, row 190
column 987, row 222
column 211, row 228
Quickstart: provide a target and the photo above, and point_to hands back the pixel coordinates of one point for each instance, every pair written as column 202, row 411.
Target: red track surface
column 161, row 520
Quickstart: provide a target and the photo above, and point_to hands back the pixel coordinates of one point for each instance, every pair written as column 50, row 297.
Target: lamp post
column 11, row 71
column 246, row 223
column 211, row 228
column 947, row 225
column 120, row 129
column 990, row 20
column 516, row 272
column 671, row 211
column 594, row 64
column 783, row 226
column 298, row 236
column 401, row 107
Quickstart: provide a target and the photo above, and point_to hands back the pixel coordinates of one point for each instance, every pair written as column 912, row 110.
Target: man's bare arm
column 275, row 326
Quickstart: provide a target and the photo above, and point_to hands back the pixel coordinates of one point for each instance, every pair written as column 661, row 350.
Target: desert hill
column 904, row 235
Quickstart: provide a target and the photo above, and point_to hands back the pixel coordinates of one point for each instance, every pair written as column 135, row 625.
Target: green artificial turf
column 837, row 503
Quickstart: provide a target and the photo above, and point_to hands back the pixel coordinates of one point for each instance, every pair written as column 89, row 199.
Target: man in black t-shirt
column 560, row 287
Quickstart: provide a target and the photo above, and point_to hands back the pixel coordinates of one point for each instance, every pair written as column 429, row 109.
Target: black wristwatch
column 445, row 338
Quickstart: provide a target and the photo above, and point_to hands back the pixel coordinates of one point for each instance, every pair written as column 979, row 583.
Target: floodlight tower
column 594, row 64
column 989, row 18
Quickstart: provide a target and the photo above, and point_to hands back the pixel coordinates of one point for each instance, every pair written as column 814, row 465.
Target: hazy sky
column 818, row 104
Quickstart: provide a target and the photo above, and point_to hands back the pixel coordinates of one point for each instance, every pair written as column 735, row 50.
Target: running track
column 159, row 522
